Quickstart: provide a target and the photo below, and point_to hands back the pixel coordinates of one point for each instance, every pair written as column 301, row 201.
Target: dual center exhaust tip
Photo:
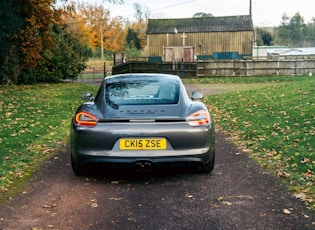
column 143, row 166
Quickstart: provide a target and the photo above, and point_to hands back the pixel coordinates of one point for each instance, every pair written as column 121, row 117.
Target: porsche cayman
column 142, row 122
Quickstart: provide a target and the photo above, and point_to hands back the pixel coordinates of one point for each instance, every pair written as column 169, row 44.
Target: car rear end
column 124, row 144
column 142, row 130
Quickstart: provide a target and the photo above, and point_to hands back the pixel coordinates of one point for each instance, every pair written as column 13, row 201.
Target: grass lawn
column 34, row 121
column 92, row 76
column 275, row 125
column 271, row 118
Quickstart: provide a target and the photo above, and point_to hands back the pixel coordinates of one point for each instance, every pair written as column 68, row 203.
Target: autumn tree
column 26, row 40
column 136, row 37
column 95, row 26
column 113, row 35
column 38, row 46
column 36, row 37
column 78, row 25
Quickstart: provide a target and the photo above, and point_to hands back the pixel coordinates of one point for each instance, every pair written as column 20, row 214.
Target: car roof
column 138, row 76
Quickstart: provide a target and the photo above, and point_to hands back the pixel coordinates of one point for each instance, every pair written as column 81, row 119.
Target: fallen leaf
column 286, row 211
column 94, row 205
column 301, row 196
column 226, row 203
column 189, row 196
column 283, row 174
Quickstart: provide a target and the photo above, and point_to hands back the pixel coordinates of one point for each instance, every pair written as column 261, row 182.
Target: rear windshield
column 142, row 93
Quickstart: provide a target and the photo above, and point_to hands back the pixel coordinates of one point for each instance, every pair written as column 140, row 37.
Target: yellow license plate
column 143, row 144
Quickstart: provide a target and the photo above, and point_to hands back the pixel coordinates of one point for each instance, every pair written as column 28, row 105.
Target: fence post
column 104, row 69
column 197, row 66
column 244, row 67
column 234, row 67
column 93, row 72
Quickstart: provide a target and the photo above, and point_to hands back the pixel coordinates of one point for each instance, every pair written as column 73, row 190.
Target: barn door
column 179, row 54
column 188, row 54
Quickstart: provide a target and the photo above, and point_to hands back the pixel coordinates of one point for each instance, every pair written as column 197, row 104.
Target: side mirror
column 88, row 96
column 196, row 95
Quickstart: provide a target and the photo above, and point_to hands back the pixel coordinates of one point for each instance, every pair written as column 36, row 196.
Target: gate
column 179, row 54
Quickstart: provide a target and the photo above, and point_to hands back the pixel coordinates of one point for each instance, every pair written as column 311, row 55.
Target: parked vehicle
column 142, row 121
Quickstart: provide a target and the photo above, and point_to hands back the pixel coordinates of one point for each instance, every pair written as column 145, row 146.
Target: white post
column 184, row 36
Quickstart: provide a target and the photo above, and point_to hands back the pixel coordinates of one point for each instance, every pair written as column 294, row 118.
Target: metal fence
column 93, row 74
column 182, row 69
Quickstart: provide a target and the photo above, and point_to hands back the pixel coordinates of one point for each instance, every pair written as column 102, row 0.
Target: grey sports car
column 142, row 121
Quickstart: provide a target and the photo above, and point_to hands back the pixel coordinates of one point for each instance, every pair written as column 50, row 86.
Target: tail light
column 199, row 118
column 85, row 119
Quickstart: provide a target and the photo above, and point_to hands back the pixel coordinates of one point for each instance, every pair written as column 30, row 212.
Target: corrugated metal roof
column 195, row 25
column 291, row 51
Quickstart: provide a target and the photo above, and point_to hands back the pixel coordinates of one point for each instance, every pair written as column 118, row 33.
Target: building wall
column 204, row 43
column 261, row 52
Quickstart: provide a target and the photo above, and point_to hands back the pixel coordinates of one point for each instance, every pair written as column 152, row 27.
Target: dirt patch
column 238, row 194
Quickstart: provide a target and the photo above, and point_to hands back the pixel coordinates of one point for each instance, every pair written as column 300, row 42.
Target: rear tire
column 208, row 167
column 76, row 168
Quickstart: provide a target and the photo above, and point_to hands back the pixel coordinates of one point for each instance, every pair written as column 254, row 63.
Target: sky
column 264, row 12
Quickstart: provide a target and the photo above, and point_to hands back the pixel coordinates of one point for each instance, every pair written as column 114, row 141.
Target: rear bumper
column 186, row 146
column 100, row 162
column 103, row 139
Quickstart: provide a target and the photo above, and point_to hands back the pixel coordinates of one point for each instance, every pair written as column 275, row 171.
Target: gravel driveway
column 238, row 194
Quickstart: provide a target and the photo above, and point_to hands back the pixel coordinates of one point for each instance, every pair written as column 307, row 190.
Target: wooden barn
column 186, row 39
